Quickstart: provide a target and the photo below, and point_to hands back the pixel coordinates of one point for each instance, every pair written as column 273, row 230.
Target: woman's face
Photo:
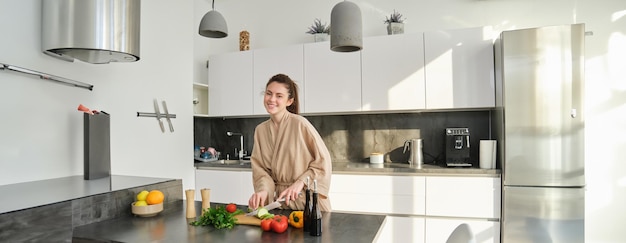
column 276, row 98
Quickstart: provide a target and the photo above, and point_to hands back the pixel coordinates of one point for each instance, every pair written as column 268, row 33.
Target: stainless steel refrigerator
column 539, row 125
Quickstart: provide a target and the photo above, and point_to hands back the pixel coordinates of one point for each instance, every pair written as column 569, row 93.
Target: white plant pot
column 395, row 28
column 320, row 37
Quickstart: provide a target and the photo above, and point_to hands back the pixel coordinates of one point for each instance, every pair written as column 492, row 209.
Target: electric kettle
column 415, row 149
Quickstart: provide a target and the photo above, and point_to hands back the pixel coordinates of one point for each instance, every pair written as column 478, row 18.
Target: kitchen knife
column 269, row 207
column 158, row 115
column 167, row 116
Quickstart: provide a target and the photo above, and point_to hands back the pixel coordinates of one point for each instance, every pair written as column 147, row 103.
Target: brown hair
column 292, row 87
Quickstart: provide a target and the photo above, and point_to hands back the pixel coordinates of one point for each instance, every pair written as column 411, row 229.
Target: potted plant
column 395, row 23
column 319, row 31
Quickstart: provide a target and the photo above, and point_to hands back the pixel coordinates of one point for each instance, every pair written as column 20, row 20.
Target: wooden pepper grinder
column 191, row 203
column 206, row 198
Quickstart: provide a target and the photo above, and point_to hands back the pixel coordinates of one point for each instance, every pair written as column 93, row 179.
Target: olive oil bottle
column 307, row 207
column 316, row 217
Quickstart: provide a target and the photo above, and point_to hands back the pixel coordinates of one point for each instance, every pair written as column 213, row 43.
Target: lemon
column 142, row 195
column 141, row 203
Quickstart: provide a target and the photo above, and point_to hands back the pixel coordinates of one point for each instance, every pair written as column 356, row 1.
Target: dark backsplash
column 353, row 137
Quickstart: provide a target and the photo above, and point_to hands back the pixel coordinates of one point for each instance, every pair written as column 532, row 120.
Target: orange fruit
column 155, row 197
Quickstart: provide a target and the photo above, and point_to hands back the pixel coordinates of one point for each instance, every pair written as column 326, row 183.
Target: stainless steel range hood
column 93, row 31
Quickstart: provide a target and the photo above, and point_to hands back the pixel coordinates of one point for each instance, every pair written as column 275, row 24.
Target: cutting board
column 247, row 220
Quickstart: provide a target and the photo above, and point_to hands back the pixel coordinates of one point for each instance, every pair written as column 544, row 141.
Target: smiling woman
column 287, row 149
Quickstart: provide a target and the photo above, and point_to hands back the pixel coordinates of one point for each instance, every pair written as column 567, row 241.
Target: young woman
column 287, row 150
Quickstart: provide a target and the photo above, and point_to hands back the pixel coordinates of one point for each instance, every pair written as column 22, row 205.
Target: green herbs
column 217, row 217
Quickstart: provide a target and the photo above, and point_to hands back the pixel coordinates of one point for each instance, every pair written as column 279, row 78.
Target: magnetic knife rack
column 46, row 76
column 158, row 115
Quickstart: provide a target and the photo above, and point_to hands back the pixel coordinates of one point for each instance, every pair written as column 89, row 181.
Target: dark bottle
column 316, row 217
column 307, row 207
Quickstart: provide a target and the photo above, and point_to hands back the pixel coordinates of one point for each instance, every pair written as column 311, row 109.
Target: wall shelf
column 200, row 86
column 200, row 99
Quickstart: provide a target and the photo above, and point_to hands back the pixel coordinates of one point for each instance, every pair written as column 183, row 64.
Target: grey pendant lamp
column 346, row 28
column 213, row 24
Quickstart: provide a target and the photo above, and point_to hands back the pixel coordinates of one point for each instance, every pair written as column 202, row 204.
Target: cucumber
column 262, row 212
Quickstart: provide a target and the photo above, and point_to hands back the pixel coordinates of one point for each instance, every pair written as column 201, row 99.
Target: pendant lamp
column 346, row 28
column 213, row 24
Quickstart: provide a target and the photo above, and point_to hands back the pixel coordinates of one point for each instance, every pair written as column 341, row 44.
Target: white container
column 376, row 158
column 487, row 155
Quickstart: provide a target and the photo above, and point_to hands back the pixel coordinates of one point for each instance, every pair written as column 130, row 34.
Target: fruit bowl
column 147, row 210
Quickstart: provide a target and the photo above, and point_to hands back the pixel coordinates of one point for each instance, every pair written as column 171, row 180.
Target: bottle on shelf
column 316, row 217
column 307, row 207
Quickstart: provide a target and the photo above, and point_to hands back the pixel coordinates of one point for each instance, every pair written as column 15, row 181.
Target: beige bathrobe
column 289, row 153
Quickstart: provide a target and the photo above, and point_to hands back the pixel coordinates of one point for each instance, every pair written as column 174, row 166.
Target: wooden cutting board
column 247, row 220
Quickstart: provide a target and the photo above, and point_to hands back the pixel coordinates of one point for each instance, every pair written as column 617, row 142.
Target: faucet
column 230, row 134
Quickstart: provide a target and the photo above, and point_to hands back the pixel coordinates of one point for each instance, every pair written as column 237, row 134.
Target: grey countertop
column 377, row 169
column 171, row 225
column 36, row 193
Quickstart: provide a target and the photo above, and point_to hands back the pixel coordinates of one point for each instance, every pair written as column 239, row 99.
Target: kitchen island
column 48, row 210
column 45, row 192
column 171, row 225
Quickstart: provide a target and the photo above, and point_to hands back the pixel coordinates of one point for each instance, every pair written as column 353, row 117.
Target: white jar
column 376, row 158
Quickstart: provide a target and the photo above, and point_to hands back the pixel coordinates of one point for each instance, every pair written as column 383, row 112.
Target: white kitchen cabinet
column 477, row 197
column 439, row 229
column 332, row 79
column 402, row 229
column 230, row 84
column 393, row 73
column 459, row 68
column 378, row 194
column 226, row 186
column 422, row 208
column 268, row 62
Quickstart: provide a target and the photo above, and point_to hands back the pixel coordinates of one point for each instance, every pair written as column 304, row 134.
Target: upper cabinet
column 451, row 69
column 268, row 62
column 459, row 69
column 230, row 84
column 332, row 79
column 393, row 73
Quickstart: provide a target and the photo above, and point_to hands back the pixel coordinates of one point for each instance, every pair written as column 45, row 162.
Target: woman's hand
column 292, row 192
column 257, row 199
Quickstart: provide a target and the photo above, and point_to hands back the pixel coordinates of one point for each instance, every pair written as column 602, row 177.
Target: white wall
column 283, row 22
column 41, row 134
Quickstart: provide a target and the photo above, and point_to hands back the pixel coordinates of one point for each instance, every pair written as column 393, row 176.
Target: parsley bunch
column 217, row 217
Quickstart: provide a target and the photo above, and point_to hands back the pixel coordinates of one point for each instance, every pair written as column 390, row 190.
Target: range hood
column 93, row 31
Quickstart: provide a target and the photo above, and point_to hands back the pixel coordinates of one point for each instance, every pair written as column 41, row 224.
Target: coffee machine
column 458, row 147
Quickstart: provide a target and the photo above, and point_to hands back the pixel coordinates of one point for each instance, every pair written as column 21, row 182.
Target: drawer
column 378, row 184
column 463, row 197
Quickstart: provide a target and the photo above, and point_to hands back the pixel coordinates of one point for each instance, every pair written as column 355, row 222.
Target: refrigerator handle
column 573, row 113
